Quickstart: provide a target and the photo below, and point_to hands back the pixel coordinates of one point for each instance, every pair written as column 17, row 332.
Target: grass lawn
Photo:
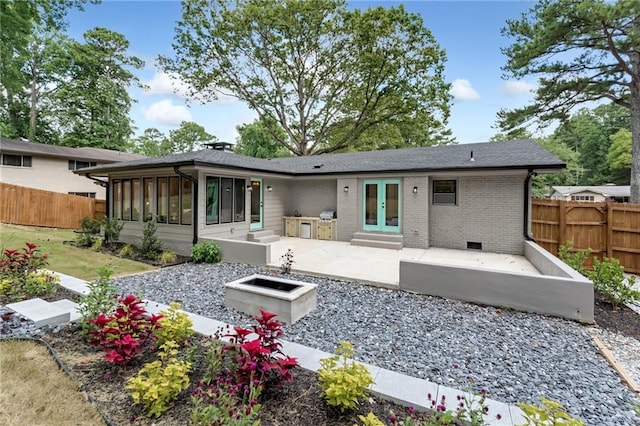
column 80, row 263
column 30, row 379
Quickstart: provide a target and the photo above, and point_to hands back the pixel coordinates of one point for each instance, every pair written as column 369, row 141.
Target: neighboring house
column 609, row 193
column 51, row 167
column 458, row 196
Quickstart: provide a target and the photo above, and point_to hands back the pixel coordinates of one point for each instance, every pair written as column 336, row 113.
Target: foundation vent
column 474, row 245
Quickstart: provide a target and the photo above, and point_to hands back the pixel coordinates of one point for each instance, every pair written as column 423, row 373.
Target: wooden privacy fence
column 20, row 205
column 608, row 229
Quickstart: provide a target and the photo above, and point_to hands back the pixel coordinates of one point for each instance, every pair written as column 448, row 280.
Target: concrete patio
column 378, row 266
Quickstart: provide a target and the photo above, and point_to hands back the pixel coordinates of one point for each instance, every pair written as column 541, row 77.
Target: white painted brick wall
column 415, row 214
column 348, row 208
column 490, row 210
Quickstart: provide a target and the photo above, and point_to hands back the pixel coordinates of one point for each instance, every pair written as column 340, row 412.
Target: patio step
column 370, row 239
column 262, row 236
column 41, row 312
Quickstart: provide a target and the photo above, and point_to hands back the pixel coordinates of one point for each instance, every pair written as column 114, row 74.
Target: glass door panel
column 371, row 204
column 256, row 204
column 381, row 205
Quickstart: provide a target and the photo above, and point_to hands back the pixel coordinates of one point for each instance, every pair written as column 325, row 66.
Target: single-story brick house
column 51, row 167
column 458, row 196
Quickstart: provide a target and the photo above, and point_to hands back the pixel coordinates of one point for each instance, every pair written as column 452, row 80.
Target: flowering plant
column 126, row 333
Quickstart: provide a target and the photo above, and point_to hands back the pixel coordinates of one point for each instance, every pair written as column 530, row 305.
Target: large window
column 117, row 199
column 126, row 199
column 135, row 199
column 75, row 164
column 16, row 160
column 225, row 201
column 147, row 191
column 162, row 200
column 174, row 199
column 444, row 192
column 185, row 215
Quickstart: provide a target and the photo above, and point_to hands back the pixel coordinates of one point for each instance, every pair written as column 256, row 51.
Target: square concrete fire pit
column 289, row 299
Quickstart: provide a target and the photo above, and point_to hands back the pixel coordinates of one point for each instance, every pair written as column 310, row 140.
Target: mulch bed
column 622, row 320
column 295, row 403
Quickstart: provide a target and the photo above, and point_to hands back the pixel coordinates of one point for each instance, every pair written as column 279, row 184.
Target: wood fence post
column 562, row 221
column 609, row 207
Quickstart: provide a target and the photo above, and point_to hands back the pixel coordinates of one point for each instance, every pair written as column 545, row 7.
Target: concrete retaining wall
column 559, row 296
column 547, row 263
column 244, row 251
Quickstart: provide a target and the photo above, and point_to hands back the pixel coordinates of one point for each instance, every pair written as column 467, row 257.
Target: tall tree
column 97, row 104
column 585, row 51
column 152, row 143
column 255, row 140
column 619, row 156
column 322, row 73
column 189, row 137
column 31, row 45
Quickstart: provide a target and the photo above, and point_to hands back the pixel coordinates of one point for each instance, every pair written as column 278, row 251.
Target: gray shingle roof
column 12, row 146
column 517, row 154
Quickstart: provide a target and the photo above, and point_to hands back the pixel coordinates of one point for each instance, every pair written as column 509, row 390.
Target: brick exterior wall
column 415, row 212
column 310, row 197
column 490, row 210
column 349, row 208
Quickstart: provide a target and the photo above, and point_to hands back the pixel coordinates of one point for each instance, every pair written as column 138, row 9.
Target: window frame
column 25, row 160
column 435, row 191
column 238, row 212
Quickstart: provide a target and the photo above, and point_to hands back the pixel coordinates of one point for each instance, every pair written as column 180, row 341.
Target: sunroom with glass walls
column 167, row 199
column 225, row 200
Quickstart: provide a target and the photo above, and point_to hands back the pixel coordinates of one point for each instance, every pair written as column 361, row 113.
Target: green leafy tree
column 584, row 51
column 152, row 143
column 94, row 104
column 189, row 137
column 619, row 156
column 320, row 72
column 255, row 140
column 30, row 66
column 570, row 176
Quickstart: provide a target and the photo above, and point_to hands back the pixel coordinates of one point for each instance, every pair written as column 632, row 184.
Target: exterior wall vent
column 474, row 245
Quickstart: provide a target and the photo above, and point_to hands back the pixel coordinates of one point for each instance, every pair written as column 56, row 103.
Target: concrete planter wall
column 562, row 292
column 244, row 251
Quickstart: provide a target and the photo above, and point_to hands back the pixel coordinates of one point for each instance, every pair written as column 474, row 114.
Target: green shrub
column 150, row 246
column 97, row 244
column 23, row 275
column 89, row 229
column 205, row 251
column 101, row 299
column 343, row 382
column 126, row 251
column 575, row 259
column 168, row 257
column 112, row 229
column 159, row 382
column 608, row 278
column 175, row 325
column 370, row 420
column 549, row 413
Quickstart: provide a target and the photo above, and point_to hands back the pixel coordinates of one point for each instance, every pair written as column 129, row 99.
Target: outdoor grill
column 327, row 215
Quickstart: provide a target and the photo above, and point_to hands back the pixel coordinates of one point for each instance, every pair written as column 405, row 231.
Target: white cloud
column 167, row 84
column 163, row 83
column 164, row 112
column 462, row 90
column 517, row 88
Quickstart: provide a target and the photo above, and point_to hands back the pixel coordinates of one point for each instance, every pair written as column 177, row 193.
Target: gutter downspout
column 105, row 185
column 527, row 185
column 177, row 171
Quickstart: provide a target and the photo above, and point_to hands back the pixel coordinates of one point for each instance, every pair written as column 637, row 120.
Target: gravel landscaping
column 516, row 356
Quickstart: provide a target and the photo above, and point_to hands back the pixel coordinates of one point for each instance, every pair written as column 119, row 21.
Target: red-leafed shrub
column 127, row 332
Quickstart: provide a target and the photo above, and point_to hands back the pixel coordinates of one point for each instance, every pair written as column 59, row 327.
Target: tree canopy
column 255, row 140
column 583, row 51
column 320, row 72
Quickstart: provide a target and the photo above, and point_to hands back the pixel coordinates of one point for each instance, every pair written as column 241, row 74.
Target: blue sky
column 469, row 31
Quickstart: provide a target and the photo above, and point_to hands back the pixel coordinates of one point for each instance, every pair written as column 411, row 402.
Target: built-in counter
column 310, row 227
